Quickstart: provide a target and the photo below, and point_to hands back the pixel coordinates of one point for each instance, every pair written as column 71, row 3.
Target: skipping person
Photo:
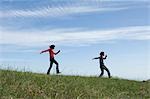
column 52, row 60
column 102, row 66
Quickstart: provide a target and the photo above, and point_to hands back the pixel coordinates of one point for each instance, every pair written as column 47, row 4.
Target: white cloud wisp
column 37, row 38
column 56, row 11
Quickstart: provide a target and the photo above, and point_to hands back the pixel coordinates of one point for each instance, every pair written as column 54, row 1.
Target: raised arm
column 57, row 52
column 96, row 58
column 44, row 51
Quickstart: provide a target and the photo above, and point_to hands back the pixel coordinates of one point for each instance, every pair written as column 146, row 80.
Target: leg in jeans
column 102, row 71
column 57, row 68
column 51, row 64
column 107, row 71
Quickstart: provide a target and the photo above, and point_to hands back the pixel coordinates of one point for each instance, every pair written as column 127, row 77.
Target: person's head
column 52, row 46
column 101, row 53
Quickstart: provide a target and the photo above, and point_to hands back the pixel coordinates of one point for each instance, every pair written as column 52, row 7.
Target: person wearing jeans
column 52, row 59
column 102, row 66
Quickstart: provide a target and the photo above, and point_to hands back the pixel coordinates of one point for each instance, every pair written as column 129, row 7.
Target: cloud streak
column 62, row 36
column 57, row 8
column 57, row 11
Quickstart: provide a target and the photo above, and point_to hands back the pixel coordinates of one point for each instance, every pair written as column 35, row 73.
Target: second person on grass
column 102, row 66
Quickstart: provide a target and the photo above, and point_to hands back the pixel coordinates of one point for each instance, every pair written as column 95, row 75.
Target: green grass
column 27, row 85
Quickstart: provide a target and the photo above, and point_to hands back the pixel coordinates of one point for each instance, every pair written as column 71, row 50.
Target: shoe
column 58, row 72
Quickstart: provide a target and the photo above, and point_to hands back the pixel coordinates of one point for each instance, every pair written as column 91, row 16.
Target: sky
column 81, row 29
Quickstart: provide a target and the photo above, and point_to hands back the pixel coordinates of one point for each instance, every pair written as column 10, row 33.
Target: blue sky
column 80, row 29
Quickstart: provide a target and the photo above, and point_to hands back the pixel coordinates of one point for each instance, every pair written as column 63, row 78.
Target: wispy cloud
column 36, row 38
column 19, row 8
column 57, row 11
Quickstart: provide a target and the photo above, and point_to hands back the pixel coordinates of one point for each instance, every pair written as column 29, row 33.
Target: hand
column 58, row 51
column 41, row 52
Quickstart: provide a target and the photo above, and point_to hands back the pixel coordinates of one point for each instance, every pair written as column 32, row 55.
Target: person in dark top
column 52, row 60
column 102, row 66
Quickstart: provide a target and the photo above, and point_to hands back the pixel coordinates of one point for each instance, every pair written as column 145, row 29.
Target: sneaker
column 58, row 72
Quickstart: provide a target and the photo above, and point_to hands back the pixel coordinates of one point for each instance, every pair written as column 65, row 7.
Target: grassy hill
column 40, row 86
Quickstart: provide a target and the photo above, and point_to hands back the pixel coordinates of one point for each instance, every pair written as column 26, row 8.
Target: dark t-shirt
column 101, row 61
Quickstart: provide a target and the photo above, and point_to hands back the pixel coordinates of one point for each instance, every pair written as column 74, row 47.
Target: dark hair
column 52, row 46
column 102, row 53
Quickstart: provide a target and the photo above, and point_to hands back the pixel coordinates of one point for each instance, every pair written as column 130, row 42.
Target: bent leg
column 107, row 71
column 57, row 66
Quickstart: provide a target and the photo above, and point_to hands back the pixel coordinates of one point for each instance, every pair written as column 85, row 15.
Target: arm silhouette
column 44, row 51
column 105, row 57
column 57, row 52
column 96, row 58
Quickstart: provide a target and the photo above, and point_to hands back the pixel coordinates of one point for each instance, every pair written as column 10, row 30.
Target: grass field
column 27, row 85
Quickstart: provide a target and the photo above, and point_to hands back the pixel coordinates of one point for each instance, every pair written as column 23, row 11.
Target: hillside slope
column 40, row 86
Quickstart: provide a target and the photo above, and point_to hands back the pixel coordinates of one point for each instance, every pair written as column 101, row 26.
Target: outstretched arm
column 44, row 51
column 57, row 52
column 96, row 58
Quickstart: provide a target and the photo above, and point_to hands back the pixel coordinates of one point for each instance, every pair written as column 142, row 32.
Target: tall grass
column 29, row 85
